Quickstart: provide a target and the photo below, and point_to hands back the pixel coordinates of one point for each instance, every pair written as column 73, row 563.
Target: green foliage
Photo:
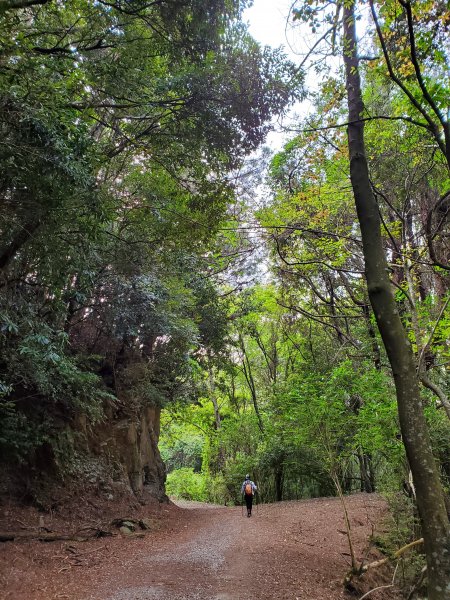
column 184, row 483
column 440, row 439
column 180, row 449
column 119, row 128
column 401, row 528
column 121, row 253
column 216, row 489
column 18, row 437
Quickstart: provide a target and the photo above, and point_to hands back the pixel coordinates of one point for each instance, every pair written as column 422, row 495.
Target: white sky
column 267, row 19
column 268, row 24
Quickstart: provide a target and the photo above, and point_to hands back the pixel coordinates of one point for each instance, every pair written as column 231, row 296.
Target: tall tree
column 430, row 496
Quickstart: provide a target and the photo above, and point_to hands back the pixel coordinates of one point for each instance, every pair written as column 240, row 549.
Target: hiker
column 248, row 489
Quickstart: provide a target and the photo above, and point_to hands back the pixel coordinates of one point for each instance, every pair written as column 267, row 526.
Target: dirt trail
column 289, row 550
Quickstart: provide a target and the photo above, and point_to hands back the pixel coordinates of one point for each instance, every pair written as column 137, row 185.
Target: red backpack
column 248, row 489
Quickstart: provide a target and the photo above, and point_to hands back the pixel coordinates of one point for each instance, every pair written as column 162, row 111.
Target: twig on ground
column 91, row 551
column 418, row 583
column 66, row 568
column 23, row 524
column 306, row 544
column 382, row 587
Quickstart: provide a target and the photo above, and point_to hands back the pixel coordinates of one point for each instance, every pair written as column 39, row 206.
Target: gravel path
column 285, row 551
column 185, row 569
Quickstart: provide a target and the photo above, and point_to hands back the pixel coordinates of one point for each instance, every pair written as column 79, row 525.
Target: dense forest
column 174, row 292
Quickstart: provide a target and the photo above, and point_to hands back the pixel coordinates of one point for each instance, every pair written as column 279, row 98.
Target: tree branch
column 433, row 128
column 431, row 235
column 363, row 120
column 426, row 94
column 6, row 5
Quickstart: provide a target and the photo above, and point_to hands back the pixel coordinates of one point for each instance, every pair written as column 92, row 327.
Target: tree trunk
column 370, row 472
column 279, row 477
column 9, row 252
column 367, row 482
column 430, row 497
column 375, row 348
column 247, row 369
column 212, row 396
column 220, row 461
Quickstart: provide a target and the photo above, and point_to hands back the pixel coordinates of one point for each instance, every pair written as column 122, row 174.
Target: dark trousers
column 248, row 502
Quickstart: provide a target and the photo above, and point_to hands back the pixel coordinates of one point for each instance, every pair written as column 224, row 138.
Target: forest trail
column 294, row 550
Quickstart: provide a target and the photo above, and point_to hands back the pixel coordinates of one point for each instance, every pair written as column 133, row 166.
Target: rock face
column 116, row 458
column 130, row 446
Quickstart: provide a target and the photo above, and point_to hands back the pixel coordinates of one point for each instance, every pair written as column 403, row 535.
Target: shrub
column 184, row 483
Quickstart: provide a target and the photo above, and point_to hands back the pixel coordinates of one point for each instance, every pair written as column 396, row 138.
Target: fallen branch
column 397, row 554
column 378, row 563
column 10, row 536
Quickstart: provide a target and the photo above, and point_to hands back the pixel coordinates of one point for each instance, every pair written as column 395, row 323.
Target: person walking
column 248, row 490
